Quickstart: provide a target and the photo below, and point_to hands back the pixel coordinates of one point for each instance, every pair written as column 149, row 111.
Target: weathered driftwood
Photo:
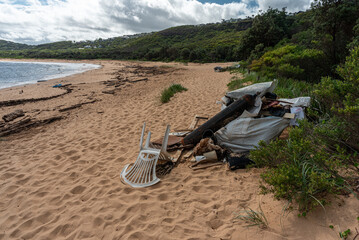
column 11, row 116
column 204, row 161
column 75, row 106
column 220, row 119
column 138, row 80
column 190, row 146
column 207, row 166
column 120, row 82
column 108, row 91
column 25, row 123
column 22, row 101
column 14, row 127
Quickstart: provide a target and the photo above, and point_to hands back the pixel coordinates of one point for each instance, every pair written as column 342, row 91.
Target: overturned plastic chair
column 143, row 172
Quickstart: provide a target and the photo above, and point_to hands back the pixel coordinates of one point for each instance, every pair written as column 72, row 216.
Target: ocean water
column 19, row 73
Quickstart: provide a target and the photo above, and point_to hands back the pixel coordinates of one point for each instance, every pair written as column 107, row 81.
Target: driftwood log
column 22, row 101
column 207, row 166
column 108, row 91
column 233, row 111
column 11, row 116
column 25, row 123
column 75, row 106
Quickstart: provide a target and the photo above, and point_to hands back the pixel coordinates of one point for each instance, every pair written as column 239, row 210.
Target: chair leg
column 142, row 135
column 165, row 139
column 148, row 139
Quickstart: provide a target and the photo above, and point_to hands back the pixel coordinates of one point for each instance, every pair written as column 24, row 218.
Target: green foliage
column 345, row 234
column 170, row 92
column 342, row 96
column 268, row 29
column 333, row 22
column 286, row 88
column 7, row 45
column 254, row 218
column 341, row 101
column 300, row 171
column 355, row 41
column 291, row 61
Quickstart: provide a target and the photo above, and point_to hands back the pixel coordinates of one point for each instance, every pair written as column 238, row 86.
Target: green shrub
column 301, row 169
column 286, row 88
column 340, row 99
column 291, row 61
column 169, row 92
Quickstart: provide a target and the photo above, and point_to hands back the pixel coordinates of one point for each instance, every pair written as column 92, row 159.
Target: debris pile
column 248, row 115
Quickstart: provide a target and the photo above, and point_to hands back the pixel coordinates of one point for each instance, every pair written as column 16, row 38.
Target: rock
column 11, row 116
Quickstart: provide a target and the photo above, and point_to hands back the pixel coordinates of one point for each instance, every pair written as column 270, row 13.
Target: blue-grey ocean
column 19, row 73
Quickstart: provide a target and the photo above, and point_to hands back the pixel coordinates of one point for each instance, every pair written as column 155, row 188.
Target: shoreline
column 62, row 180
column 51, row 77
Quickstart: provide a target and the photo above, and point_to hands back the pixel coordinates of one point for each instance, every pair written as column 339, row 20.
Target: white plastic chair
column 143, row 172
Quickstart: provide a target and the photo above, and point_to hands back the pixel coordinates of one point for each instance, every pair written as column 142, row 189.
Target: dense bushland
column 317, row 57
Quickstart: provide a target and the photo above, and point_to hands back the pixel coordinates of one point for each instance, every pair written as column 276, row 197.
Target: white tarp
column 295, row 102
column 243, row 134
column 252, row 89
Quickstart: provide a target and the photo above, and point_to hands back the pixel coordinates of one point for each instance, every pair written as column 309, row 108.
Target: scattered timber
column 207, row 166
column 22, row 101
column 108, row 91
column 24, row 124
column 76, row 106
column 12, row 116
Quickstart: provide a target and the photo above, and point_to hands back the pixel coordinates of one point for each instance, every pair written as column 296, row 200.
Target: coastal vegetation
column 253, row 218
column 317, row 56
column 171, row 91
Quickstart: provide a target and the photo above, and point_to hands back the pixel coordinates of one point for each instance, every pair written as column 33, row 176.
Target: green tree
column 333, row 24
column 185, row 53
column 268, row 28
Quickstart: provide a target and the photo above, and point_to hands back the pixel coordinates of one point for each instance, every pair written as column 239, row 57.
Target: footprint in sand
column 78, row 189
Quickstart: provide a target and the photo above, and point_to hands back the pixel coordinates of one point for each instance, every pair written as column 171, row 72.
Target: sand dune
column 61, row 181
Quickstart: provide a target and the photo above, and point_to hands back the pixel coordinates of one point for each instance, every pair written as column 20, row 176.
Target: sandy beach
column 61, row 180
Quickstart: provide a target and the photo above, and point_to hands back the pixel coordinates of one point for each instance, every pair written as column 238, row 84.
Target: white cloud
column 91, row 19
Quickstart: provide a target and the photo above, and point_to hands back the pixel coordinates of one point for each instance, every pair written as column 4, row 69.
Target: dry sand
column 62, row 180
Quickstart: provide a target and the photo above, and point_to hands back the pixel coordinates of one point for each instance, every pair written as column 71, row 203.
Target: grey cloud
column 290, row 5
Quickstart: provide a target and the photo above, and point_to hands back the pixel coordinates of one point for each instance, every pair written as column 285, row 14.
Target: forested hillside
column 205, row 43
column 7, row 45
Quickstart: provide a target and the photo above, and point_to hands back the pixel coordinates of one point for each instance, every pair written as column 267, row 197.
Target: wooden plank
column 289, row 115
column 207, row 166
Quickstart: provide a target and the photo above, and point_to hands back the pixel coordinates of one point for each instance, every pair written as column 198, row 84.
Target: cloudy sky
column 41, row 21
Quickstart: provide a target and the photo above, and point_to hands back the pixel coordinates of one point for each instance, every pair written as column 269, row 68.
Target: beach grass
column 253, row 218
column 170, row 92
